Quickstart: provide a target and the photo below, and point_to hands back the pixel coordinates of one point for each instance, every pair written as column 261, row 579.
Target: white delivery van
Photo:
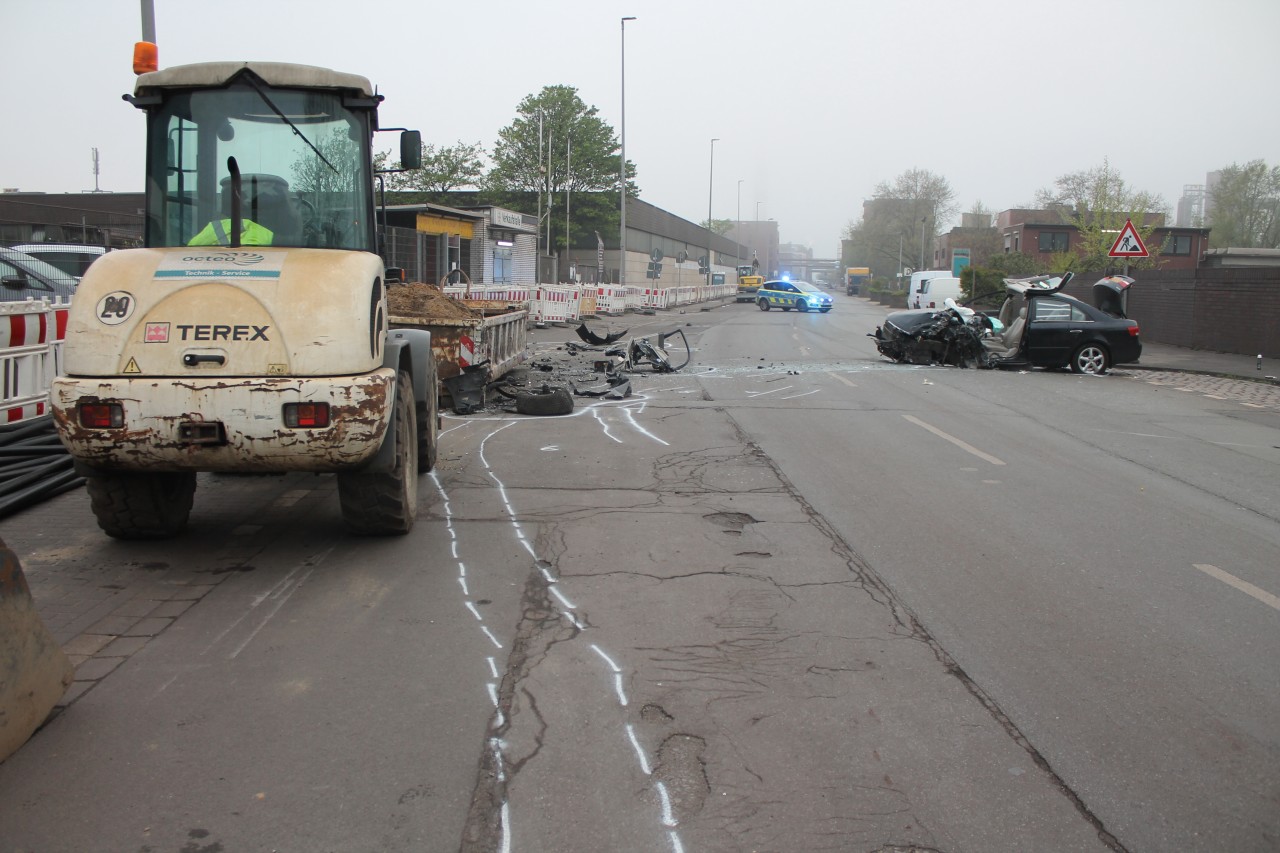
column 930, row 287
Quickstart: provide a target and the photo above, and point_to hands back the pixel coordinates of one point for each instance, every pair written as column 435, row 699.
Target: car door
column 1054, row 328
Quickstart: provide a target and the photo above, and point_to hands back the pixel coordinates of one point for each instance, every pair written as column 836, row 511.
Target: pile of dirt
column 416, row 299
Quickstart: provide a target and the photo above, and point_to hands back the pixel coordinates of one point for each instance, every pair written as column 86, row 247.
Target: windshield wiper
column 285, row 119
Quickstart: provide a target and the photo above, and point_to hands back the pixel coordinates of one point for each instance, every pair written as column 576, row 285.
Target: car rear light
column 306, row 415
column 1133, row 330
column 101, row 415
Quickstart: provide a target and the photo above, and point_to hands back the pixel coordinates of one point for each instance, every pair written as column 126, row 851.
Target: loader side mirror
column 411, row 149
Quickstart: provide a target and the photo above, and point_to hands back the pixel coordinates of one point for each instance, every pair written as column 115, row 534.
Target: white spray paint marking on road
column 474, row 612
column 493, row 666
column 754, row 394
column 463, row 582
column 795, row 396
column 630, row 415
column 963, row 445
column 595, row 413
column 567, row 609
column 1244, row 586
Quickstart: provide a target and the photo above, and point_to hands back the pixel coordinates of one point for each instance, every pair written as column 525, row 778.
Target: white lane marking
column 839, row 378
column 965, row 446
column 805, row 394
column 1244, row 586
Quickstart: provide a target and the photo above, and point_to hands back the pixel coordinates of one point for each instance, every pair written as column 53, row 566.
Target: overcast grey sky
column 813, row 102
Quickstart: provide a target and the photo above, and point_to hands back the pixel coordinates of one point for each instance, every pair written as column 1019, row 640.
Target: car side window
column 1051, row 311
column 1078, row 315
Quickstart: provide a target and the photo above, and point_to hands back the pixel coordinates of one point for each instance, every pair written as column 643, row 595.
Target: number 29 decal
column 116, row 307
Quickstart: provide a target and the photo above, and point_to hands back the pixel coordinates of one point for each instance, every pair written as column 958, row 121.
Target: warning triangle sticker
column 1128, row 244
column 132, row 367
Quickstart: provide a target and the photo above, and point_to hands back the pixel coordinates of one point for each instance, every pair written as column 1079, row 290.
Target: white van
column 929, row 288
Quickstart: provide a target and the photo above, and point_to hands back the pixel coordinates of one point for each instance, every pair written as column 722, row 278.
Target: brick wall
column 1225, row 310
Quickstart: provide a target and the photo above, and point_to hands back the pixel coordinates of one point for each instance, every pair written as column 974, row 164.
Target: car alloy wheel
column 764, row 304
column 1090, row 358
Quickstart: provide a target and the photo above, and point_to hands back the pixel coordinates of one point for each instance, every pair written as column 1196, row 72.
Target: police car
column 800, row 295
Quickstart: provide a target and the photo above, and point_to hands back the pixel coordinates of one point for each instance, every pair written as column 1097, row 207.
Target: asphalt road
column 792, row 598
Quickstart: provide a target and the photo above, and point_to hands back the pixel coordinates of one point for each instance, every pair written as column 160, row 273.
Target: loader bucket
column 34, row 673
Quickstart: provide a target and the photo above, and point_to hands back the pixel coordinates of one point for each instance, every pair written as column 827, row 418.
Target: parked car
column 800, row 295
column 1043, row 327
column 72, row 258
column 23, row 277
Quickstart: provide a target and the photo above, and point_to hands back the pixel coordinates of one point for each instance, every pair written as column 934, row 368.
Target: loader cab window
column 302, row 156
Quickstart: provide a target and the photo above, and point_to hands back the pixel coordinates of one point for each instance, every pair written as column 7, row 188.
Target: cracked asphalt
column 694, row 619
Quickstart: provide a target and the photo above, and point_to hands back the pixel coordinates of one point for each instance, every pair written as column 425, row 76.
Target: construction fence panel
column 31, row 336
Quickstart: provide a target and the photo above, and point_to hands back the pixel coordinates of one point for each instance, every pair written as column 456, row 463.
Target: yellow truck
column 748, row 283
column 855, row 278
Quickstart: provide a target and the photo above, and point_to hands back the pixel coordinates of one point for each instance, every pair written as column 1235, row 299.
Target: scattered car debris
column 600, row 368
column 595, row 340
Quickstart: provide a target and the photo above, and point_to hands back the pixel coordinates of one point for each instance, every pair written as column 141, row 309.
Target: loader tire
column 429, row 422
column 131, row 505
column 383, row 503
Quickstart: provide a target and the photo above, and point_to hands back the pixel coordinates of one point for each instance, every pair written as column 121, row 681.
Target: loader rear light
column 101, row 415
column 306, row 415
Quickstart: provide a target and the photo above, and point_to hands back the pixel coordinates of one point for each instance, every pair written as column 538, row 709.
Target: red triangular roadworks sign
column 1128, row 244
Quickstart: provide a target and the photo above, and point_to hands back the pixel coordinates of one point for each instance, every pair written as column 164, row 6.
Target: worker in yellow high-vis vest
column 216, row 234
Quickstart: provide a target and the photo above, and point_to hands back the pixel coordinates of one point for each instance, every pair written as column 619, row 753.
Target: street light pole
column 923, row 220
column 711, row 177
column 622, row 164
column 737, row 229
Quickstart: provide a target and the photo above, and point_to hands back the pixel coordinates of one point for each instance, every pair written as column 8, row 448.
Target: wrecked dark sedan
column 1042, row 327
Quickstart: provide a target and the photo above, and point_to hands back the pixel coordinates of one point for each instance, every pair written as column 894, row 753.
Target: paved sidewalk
column 1158, row 356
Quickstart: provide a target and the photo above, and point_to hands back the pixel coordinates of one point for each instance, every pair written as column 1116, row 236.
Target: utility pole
column 711, row 177
column 622, row 164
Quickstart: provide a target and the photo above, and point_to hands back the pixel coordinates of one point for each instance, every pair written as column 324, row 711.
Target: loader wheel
column 429, row 422
column 381, row 503
column 764, row 304
column 141, row 506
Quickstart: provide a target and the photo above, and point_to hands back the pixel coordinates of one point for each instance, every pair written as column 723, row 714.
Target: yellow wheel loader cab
column 251, row 332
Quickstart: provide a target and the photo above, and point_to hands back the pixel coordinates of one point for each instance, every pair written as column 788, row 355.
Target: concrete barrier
column 34, row 673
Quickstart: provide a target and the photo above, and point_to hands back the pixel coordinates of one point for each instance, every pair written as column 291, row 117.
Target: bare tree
column 1097, row 202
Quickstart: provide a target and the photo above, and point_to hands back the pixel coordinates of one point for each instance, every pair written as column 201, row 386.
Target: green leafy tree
column 557, row 144
column 719, row 226
column 1097, row 202
column 445, row 168
column 1245, row 207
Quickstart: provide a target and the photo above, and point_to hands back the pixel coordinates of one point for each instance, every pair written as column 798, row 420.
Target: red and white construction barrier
column 31, row 335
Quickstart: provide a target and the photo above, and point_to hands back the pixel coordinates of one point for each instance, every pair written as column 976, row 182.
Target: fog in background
column 814, row 103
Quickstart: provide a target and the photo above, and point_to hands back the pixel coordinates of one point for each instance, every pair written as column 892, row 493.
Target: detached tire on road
column 131, row 505
column 552, row 401
column 383, row 503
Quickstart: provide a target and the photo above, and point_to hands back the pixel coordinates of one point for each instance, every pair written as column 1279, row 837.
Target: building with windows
column 1045, row 233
